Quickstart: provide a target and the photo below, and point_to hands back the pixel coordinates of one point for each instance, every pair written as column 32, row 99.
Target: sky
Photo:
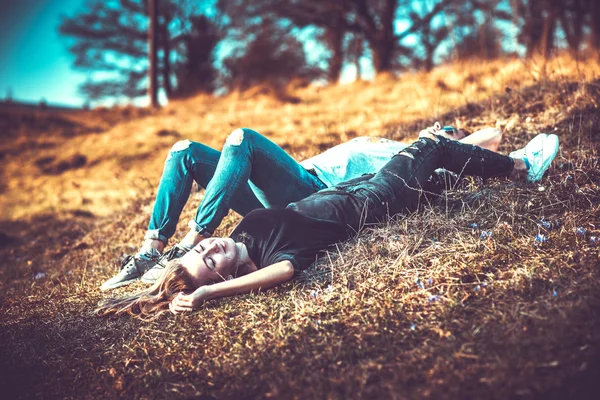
column 35, row 63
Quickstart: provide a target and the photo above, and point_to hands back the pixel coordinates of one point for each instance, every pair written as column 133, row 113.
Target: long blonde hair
column 149, row 304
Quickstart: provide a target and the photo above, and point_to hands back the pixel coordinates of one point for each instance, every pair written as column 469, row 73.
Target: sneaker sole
column 146, row 278
column 549, row 151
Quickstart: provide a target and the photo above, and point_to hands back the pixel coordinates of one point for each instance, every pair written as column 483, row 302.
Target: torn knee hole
column 178, row 147
column 236, row 137
column 181, row 145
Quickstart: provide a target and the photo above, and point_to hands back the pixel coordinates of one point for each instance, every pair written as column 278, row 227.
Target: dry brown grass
column 420, row 308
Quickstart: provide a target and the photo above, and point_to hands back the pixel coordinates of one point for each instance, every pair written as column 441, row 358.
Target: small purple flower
column 329, row 289
column 484, row 284
column 413, row 327
column 545, row 224
column 485, row 235
column 540, row 238
column 429, row 281
column 419, row 284
column 314, row 294
column 554, row 293
column 39, row 275
column 569, row 177
column 477, row 288
column 474, row 226
column 433, row 298
column 594, row 240
column 581, row 230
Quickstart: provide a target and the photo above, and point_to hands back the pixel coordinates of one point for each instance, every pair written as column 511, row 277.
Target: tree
column 271, row 56
column 152, row 67
column 196, row 72
column 373, row 21
column 111, row 36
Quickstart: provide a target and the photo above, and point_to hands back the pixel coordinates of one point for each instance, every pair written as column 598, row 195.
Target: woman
column 269, row 245
column 271, row 178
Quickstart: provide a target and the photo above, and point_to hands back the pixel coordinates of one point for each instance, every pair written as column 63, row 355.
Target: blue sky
column 35, row 61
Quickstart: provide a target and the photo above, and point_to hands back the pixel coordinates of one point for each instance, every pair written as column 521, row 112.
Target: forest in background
column 222, row 45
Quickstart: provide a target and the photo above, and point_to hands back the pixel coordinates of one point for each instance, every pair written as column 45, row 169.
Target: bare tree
column 372, row 20
column 271, row 57
column 152, row 67
column 112, row 36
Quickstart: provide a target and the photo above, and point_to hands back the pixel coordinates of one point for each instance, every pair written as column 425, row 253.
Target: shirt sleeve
column 299, row 261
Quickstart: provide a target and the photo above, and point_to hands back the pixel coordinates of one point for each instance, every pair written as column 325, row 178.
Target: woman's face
column 212, row 259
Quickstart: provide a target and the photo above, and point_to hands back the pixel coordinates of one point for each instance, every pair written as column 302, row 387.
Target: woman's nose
column 213, row 247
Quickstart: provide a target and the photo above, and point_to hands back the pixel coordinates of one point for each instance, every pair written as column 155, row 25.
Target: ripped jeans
column 399, row 186
column 251, row 172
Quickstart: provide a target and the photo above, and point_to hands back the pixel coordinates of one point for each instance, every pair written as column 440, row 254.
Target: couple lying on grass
column 293, row 211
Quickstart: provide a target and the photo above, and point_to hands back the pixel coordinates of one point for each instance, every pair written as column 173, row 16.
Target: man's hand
column 189, row 302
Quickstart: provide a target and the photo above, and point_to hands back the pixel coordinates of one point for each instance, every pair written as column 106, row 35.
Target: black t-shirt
column 274, row 235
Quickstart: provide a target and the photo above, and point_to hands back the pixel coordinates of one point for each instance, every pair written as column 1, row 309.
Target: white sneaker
column 538, row 154
column 132, row 267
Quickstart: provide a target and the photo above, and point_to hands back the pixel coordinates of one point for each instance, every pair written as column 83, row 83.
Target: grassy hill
column 423, row 307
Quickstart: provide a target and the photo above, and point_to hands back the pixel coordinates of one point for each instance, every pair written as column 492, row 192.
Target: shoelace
column 126, row 260
column 169, row 255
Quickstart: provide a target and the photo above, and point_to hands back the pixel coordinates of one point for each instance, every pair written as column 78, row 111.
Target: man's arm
column 261, row 279
column 488, row 138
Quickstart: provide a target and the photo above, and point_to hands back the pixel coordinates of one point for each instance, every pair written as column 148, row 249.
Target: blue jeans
column 251, row 172
column 399, row 185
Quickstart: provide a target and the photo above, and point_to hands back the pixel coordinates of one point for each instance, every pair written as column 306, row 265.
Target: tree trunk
column 152, row 56
column 166, row 72
column 547, row 39
column 358, row 52
column 384, row 43
column 334, row 36
column 534, row 27
column 573, row 27
column 594, row 41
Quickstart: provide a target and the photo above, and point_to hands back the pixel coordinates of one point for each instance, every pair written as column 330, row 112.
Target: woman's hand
column 262, row 279
column 188, row 302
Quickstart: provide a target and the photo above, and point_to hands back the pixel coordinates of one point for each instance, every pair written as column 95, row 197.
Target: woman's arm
column 264, row 278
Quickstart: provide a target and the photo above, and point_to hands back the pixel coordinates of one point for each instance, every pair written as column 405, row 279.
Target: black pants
column 398, row 186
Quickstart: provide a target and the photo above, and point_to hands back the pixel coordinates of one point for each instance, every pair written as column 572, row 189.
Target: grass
column 423, row 307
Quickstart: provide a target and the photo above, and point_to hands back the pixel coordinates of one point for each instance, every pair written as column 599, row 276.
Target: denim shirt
column 359, row 156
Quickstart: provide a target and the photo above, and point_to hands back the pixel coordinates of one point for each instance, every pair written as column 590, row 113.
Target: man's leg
column 400, row 183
